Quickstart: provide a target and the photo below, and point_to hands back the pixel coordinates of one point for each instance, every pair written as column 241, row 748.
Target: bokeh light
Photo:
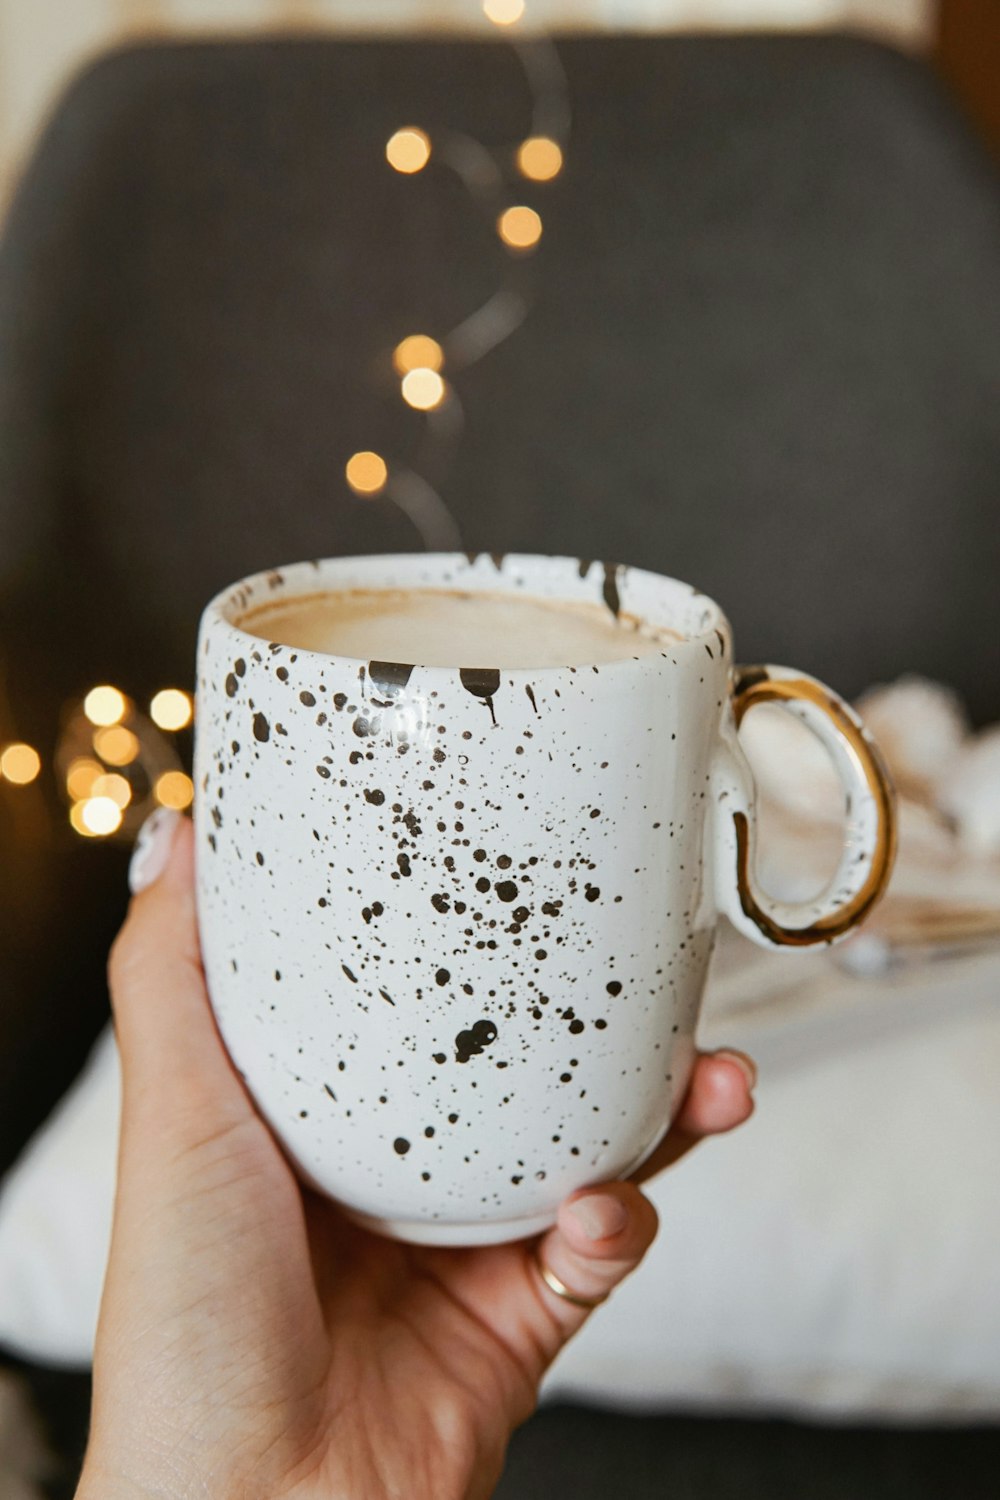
column 539, row 158
column 423, row 389
column 417, row 352
column 116, row 745
column 76, row 819
column 366, row 473
column 174, row 789
column 81, row 775
column 20, row 763
column 104, row 705
column 503, row 12
column 409, row 150
column 113, row 786
column 96, row 817
column 170, row 709
column 520, row 227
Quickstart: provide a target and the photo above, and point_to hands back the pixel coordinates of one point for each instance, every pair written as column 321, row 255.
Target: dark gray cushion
column 765, row 353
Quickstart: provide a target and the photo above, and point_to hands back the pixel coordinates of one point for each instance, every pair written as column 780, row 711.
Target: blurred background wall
column 43, row 41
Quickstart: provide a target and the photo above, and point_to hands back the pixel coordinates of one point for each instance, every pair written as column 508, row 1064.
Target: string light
column 116, row 745
column 170, row 709
column 520, row 227
column 97, row 817
column 104, row 705
column 418, row 360
column 80, row 777
column 539, row 158
column 366, row 473
column 174, row 789
column 503, row 12
column 76, row 819
column 409, row 150
column 423, row 389
column 20, row 764
column 417, row 352
column 113, row 786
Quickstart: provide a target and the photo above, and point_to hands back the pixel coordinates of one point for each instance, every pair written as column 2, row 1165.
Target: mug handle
column 870, row 835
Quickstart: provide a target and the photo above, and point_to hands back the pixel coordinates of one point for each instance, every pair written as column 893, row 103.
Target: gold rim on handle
column 756, row 686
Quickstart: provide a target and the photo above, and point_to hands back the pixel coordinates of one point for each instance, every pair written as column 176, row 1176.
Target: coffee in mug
column 464, row 829
column 436, row 627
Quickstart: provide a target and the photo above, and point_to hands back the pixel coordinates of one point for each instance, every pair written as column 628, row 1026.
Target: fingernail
column 599, row 1215
column 152, row 848
column 746, row 1065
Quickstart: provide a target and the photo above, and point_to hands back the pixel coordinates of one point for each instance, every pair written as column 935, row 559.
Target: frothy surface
column 450, row 628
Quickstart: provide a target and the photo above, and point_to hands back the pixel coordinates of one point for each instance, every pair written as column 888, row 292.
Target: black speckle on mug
column 470, row 1043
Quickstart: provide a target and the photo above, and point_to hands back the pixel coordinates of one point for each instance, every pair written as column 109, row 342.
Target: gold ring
column 561, row 1289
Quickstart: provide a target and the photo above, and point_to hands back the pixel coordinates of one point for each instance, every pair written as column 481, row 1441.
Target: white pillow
column 837, row 1255
column 55, row 1220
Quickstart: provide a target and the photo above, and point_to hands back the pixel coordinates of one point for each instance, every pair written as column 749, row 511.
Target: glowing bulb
column 171, row 709
column 174, row 789
column 366, row 473
column 503, row 12
column 116, row 745
column 104, row 705
column 76, row 818
column 423, row 389
column 20, row 764
column 113, row 786
column 99, row 816
column 80, row 777
column 519, row 227
column 539, row 158
column 409, row 150
column 418, row 352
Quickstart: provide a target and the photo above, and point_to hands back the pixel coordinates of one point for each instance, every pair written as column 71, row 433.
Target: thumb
column 600, row 1237
column 176, row 1074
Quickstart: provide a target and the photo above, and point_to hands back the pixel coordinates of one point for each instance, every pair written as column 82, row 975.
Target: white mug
column 456, row 921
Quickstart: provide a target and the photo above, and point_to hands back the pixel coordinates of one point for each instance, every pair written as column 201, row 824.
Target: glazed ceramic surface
column 456, row 920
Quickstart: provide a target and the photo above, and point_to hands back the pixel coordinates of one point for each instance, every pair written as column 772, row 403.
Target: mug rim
column 292, row 580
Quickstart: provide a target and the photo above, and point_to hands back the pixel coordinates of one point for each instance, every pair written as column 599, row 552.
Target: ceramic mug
column 456, row 920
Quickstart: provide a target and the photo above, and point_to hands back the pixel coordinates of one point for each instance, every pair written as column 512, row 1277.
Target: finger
column 601, row 1235
column 592, row 1248
column 719, row 1097
column 173, row 1059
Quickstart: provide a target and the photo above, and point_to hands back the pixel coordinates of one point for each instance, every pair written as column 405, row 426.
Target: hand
column 252, row 1341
